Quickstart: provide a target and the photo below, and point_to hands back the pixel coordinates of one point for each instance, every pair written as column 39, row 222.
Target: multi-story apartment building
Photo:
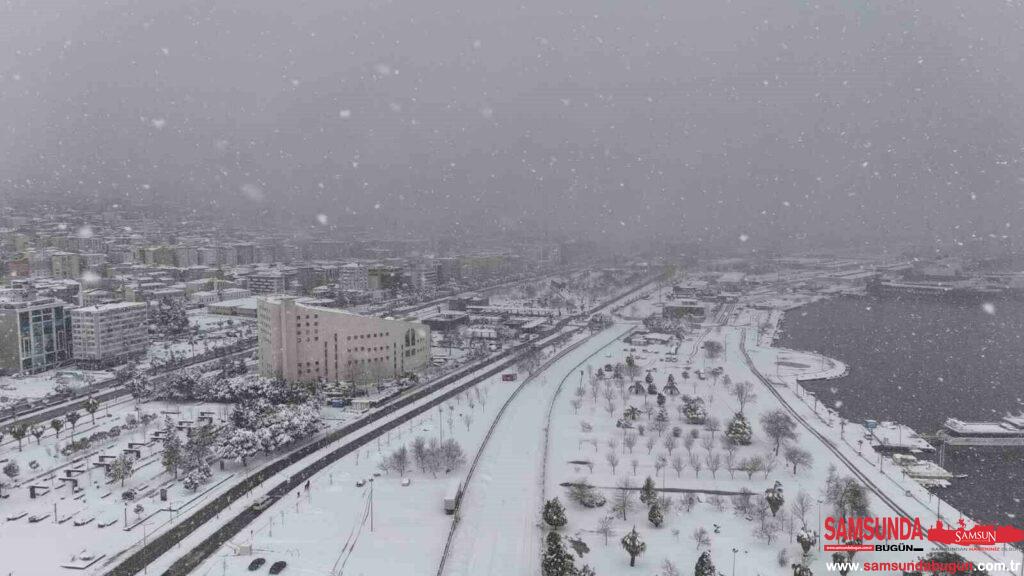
column 245, row 253
column 354, row 276
column 304, row 343
column 35, row 334
column 109, row 334
column 269, row 282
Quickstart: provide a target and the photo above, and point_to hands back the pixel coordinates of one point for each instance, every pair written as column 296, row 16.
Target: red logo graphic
column 978, row 535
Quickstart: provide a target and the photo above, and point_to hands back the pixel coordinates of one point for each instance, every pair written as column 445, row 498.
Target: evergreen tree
column 554, row 513
column 173, row 449
column 738, row 431
column 18, row 433
column 648, row 494
column 802, row 570
column 655, row 516
column 704, row 565
column 633, row 545
column 91, row 406
column 121, row 468
column 556, row 560
column 773, row 496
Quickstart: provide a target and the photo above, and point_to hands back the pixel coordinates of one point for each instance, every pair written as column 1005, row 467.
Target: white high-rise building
column 109, row 334
column 303, row 343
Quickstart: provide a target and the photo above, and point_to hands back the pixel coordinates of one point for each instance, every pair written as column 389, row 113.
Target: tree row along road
column 868, row 482
column 161, row 544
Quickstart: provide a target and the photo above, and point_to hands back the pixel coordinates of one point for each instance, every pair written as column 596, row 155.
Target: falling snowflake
column 744, row 237
column 345, row 114
column 158, row 123
column 85, row 232
column 989, row 308
column 322, row 219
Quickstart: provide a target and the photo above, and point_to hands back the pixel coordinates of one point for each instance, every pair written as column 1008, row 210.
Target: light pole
column 819, row 523
column 734, row 551
column 371, row 504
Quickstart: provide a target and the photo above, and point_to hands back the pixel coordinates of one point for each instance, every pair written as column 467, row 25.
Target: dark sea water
column 919, row 361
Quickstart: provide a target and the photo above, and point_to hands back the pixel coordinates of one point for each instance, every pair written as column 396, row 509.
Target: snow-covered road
column 499, row 514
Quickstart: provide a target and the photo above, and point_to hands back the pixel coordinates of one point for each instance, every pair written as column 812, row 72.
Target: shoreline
column 936, row 505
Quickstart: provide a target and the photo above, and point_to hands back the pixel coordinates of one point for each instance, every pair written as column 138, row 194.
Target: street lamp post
column 819, row 524
column 734, row 551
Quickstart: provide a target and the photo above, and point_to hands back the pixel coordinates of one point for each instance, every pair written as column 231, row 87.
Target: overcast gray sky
column 770, row 119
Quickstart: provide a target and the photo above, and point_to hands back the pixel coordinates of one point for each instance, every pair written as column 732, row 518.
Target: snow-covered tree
column 655, row 516
column 705, row 567
column 18, row 433
column 807, row 539
column 172, row 454
column 648, row 493
column 797, row 456
column 738, row 431
column 744, row 394
column 778, row 426
column 694, row 410
column 556, row 561
column 196, row 477
column 121, row 468
column 554, row 513
column 633, row 545
column 774, row 498
column 11, row 469
column 802, row 570
column 57, row 424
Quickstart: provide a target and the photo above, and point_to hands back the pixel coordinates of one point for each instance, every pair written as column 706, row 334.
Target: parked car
column 278, row 567
column 257, row 564
column 360, row 483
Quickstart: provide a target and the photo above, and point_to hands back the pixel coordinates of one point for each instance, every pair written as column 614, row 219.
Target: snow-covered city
column 565, row 288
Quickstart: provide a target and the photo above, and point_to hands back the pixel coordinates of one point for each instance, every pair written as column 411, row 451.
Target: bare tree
column 634, row 463
column 768, row 464
column 677, row 465
column 576, row 404
column 651, row 441
column 707, row 443
column 604, row 527
column 669, row 443
column 712, row 425
column 701, row 538
column 797, row 456
column 613, row 460
column 800, row 506
column 714, row 462
column 697, row 464
column 629, row 441
column 744, row 394
column 624, row 495
column 730, row 464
